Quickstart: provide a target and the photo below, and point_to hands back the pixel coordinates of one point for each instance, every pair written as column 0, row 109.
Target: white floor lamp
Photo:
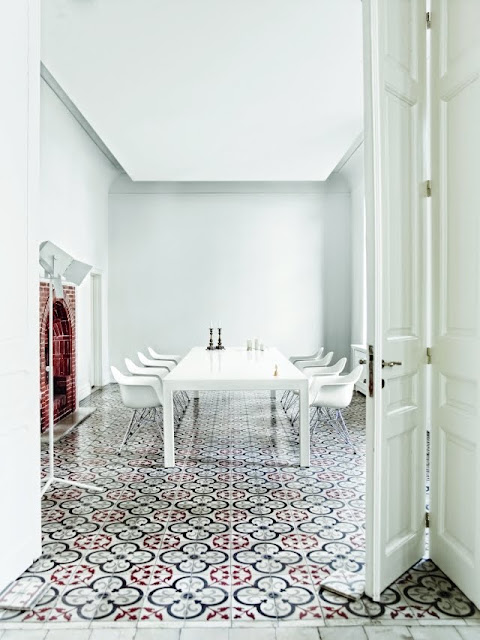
column 58, row 264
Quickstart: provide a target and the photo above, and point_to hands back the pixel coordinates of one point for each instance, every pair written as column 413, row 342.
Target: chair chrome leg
column 294, row 419
column 181, row 401
column 159, row 422
column 177, row 404
column 317, row 420
column 185, row 400
column 343, row 428
column 290, row 402
column 178, row 411
column 128, row 431
column 286, row 399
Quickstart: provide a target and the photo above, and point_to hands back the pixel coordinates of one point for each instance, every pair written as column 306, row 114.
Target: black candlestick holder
column 219, row 345
column 210, row 344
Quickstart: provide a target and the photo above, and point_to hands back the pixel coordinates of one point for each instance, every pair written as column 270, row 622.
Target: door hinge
column 427, row 520
column 428, row 188
column 429, row 355
column 429, row 20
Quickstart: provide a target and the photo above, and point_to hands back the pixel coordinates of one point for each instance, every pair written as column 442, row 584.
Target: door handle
column 362, row 361
column 392, row 363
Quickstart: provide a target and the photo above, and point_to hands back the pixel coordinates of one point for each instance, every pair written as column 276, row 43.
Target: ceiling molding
column 76, row 113
column 123, row 185
column 349, row 153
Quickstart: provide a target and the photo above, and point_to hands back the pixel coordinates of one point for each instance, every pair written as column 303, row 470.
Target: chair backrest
column 138, row 392
column 323, row 362
column 159, row 371
column 314, row 356
column 134, row 368
column 147, row 362
column 353, row 376
column 334, row 369
column 163, row 356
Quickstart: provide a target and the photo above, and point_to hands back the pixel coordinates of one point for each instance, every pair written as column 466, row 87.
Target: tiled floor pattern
column 280, row 633
column 237, row 534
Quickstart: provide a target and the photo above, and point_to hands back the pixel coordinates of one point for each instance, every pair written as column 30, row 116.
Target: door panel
column 455, row 477
column 395, row 56
column 20, row 534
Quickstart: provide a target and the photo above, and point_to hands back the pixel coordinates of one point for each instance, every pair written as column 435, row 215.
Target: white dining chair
column 163, row 356
column 333, row 394
column 298, row 361
column 150, row 362
column 318, row 362
column 159, row 371
column 170, row 364
column 314, row 356
column 332, row 370
column 170, row 359
column 325, row 370
column 288, row 397
column 144, row 395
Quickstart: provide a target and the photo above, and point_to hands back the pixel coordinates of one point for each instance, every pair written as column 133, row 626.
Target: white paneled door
column 395, row 61
column 455, row 477
column 20, row 535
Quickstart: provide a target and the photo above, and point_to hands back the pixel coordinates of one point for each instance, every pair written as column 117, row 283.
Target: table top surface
column 234, row 364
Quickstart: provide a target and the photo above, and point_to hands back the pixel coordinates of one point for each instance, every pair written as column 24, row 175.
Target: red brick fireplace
column 64, row 358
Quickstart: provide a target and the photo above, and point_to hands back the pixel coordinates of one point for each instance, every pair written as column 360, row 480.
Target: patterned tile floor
column 236, row 534
column 366, row 632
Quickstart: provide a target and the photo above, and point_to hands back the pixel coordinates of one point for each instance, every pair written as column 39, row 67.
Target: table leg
column 273, row 395
column 304, row 428
column 168, row 434
column 196, row 395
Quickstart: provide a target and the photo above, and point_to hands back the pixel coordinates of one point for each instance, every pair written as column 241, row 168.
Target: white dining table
column 234, row 369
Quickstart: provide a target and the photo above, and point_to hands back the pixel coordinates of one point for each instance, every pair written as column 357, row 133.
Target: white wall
column 264, row 258
column 20, row 536
column 337, row 280
column 75, row 178
column 353, row 172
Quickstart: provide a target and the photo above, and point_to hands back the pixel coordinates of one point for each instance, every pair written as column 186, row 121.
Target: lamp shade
column 59, row 264
column 76, row 271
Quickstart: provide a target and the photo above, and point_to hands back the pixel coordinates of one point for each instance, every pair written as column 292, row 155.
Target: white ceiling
column 213, row 89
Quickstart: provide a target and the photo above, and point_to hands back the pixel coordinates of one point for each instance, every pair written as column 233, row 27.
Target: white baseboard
column 20, row 558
